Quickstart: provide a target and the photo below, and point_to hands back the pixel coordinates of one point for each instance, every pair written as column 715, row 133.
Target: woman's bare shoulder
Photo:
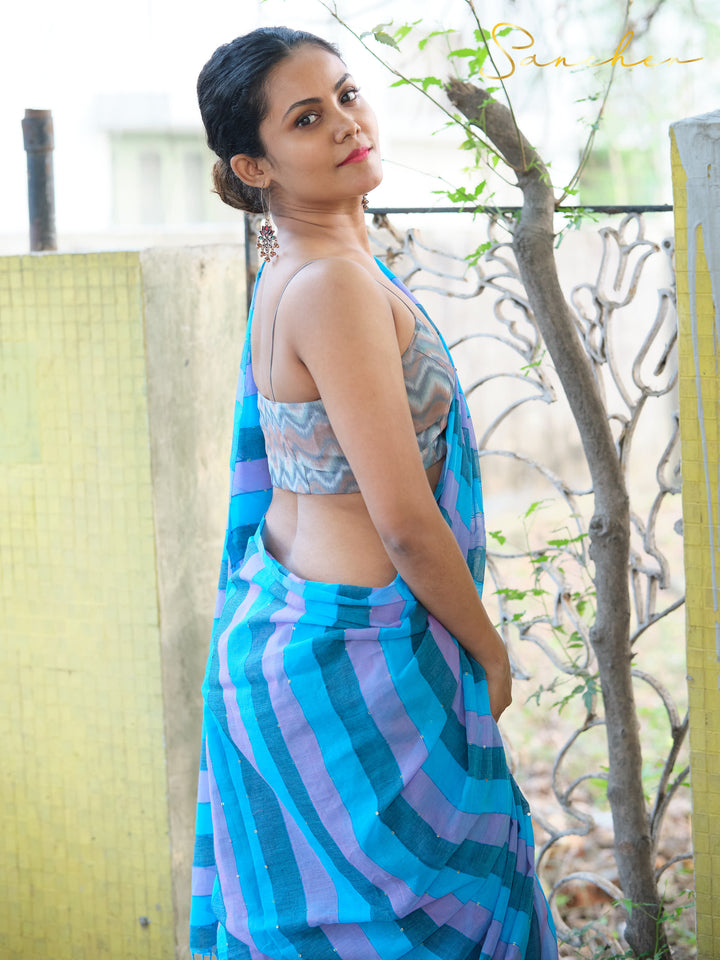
column 330, row 277
column 334, row 296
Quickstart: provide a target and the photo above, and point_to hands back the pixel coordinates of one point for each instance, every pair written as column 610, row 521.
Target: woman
column 354, row 798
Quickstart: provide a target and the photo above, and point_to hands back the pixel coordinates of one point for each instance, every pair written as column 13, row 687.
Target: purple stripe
column 491, row 830
column 443, row 909
column 459, row 529
column 458, row 704
column 203, row 879
column 362, row 633
column 481, row 728
column 473, row 921
column 249, row 388
column 387, row 614
column 492, row 937
column 524, row 852
column 446, row 644
column 386, row 708
column 547, row 935
column 236, row 727
column 203, row 792
column 321, row 904
column 450, row 493
column 477, row 531
column 219, row 603
column 251, row 566
column 436, row 810
column 250, row 475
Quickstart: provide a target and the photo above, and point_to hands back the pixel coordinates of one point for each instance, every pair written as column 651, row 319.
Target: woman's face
column 320, row 136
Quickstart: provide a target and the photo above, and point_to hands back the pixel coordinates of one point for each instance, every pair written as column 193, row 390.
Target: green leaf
column 476, row 255
column 510, row 593
column 566, row 540
column 496, row 535
column 385, row 38
column 461, row 195
column 435, row 33
column 403, row 31
column 526, row 368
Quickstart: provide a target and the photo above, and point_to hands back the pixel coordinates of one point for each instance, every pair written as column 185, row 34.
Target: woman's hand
column 499, row 681
column 486, row 646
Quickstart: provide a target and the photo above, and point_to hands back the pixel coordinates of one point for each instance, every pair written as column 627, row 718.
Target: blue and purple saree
column 354, row 800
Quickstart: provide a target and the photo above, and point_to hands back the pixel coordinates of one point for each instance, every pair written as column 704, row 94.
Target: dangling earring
column 267, row 242
column 365, row 202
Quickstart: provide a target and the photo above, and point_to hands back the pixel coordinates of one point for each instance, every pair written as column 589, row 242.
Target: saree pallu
column 354, row 798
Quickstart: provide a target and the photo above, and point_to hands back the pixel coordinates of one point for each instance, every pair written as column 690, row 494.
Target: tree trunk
column 610, row 525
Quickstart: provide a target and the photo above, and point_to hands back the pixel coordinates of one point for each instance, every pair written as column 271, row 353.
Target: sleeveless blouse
column 304, row 454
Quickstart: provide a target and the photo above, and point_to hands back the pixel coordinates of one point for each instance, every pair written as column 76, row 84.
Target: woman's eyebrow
column 303, row 103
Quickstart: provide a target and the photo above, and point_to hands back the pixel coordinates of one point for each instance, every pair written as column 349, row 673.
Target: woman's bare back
column 328, row 537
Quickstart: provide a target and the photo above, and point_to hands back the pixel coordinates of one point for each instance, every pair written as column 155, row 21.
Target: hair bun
column 231, row 189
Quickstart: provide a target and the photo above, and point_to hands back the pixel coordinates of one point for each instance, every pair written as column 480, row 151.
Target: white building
column 131, row 166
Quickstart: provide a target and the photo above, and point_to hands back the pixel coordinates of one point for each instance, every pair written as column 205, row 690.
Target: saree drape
column 354, row 798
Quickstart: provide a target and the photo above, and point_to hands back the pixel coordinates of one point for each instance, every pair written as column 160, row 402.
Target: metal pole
column 38, row 140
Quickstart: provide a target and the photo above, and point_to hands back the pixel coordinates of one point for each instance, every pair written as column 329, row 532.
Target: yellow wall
column 117, row 383
column 85, row 849
column 700, row 437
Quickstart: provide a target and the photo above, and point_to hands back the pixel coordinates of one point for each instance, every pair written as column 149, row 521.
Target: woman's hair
column 232, row 97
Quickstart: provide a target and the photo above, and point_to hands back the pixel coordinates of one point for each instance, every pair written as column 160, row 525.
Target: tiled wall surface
column 116, row 392
column 84, row 836
column 694, row 172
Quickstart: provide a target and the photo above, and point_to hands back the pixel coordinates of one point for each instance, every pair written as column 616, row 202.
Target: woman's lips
column 356, row 156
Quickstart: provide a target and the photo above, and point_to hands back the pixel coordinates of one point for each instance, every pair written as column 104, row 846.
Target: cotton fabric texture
column 354, row 799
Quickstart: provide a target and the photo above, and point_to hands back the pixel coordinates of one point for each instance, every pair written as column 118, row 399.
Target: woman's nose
column 347, row 127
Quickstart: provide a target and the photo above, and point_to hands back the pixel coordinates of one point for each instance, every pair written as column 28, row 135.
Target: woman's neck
column 320, row 230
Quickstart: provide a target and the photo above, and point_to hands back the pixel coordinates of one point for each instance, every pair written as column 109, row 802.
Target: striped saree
column 354, row 800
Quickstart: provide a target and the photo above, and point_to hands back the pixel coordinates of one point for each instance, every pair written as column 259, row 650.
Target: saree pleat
column 354, row 799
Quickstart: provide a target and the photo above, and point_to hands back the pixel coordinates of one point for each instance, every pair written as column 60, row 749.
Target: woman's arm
column 345, row 335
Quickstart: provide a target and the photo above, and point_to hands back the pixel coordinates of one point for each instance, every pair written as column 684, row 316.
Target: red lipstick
column 356, row 156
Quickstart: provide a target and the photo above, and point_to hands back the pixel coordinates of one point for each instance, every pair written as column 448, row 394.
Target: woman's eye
column 350, row 94
column 307, row 119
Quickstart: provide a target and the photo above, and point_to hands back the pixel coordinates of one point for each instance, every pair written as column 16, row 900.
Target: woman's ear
column 251, row 170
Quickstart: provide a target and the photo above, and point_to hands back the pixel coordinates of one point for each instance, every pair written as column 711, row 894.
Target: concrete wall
column 695, row 145
column 117, row 377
